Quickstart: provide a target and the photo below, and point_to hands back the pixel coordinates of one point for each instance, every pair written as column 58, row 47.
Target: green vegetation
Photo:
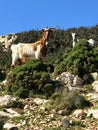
column 83, row 59
column 67, row 101
column 35, row 79
column 32, row 77
column 2, row 75
column 59, row 40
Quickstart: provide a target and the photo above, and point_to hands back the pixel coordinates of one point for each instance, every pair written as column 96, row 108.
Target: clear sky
column 24, row 15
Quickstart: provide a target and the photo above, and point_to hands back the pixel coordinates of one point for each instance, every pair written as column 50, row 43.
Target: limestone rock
column 95, row 85
column 10, row 126
column 93, row 113
column 39, row 101
column 79, row 113
column 77, row 81
column 9, row 113
column 5, row 100
column 94, row 75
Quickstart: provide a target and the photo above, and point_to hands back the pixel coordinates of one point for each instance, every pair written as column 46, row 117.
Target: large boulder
column 66, row 78
column 69, row 79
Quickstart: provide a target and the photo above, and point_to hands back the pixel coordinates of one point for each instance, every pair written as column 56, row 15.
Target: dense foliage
column 82, row 59
column 30, row 79
column 58, row 41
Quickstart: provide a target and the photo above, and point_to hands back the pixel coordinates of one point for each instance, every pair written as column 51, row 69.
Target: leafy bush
column 69, row 101
column 32, row 76
column 81, row 60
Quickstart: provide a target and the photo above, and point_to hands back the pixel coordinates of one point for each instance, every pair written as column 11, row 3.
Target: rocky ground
column 35, row 114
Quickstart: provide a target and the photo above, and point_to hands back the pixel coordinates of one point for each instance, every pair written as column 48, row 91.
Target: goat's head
column 73, row 35
column 48, row 29
column 46, row 32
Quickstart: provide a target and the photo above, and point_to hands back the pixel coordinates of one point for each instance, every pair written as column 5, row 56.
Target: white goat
column 74, row 39
column 91, row 42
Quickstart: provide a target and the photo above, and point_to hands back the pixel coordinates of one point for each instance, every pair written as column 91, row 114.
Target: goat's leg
column 38, row 56
column 14, row 60
column 41, row 59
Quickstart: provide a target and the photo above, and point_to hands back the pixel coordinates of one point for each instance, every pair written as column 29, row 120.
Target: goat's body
column 25, row 51
column 28, row 50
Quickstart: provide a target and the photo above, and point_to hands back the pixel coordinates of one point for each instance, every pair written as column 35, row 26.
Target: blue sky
column 24, row 15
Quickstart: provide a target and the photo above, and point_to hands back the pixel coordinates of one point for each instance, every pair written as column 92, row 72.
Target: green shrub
column 48, row 89
column 22, row 93
column 30, row 77
column 69, row 101
column 80, row 60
